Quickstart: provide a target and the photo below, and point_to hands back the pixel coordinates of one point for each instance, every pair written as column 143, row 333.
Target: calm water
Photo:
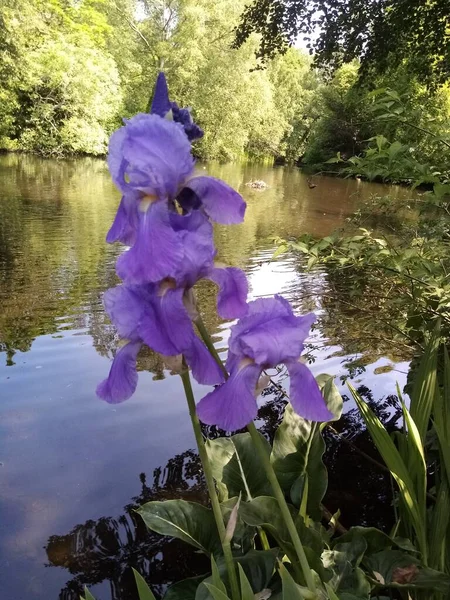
column 71, row 466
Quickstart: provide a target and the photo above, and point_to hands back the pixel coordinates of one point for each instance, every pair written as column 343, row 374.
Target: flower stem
column 235, row 594
column 279, row 495
column 270, row 473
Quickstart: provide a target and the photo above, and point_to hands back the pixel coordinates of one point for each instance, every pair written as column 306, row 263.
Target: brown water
column 71, row 466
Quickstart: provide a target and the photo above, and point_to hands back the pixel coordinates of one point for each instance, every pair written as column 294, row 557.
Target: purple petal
column 166, row 326
column 160, row 103
column 157, row 252
column 158, row 155
column 232, row 405
column 220, row 201
column 196, row 233
column 233, row 290
column 183, row 116
column 125, row 308
column 270, row 333
column 305, row 395
column 205, row 370
column 125, row 223
column 122, row 379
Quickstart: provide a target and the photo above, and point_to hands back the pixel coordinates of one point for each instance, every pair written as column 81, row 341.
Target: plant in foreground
column 164, row 216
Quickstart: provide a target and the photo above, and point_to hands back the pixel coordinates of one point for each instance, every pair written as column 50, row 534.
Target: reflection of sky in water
column 65, row 456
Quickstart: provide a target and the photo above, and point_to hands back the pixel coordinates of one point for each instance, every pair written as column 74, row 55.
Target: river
column 71, row 466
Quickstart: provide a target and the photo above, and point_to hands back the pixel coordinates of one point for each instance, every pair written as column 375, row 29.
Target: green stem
column 270, row 473
column 279, row 495
column 235, row 594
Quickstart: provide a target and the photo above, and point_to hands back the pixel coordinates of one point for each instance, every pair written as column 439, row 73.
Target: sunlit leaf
column 187, row 521
column 144, row 591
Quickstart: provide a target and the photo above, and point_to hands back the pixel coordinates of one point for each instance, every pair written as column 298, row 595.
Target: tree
column 382, row 33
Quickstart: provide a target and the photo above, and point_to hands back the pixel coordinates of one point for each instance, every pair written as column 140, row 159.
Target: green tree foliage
column 70, row 71
column 382, row 33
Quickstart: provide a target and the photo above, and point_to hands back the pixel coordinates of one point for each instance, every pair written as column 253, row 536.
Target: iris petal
column 205, row 370
column 305, row 395
column 232, row 405
column 158, row 154
column 166, row 326
column 125, row 309
column 122, row 379
column 220, row 201
column 125, row 222
column 233, row 290
column 270, row 333
column 157, row 252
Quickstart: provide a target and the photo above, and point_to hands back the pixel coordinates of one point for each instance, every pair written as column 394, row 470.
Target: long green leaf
column 395, row 464
column 439, row 526
column 87, row 595
column 215, row 592
column 291, row 590
column 216, row 579
column 416, row 461
column 246, row 588
column 424, row 385
column 442, row 416
column 145, row 593
column 187, row 521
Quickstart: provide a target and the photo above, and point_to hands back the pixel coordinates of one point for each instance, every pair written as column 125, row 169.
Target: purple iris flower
column 151, row 163
column 162, row 106
column 270, row 334
column 160, row 314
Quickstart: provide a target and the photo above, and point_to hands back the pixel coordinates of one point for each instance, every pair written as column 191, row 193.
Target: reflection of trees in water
column 105, row 550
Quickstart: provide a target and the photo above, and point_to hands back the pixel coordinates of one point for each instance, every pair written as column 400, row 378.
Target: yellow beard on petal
column 146, row 201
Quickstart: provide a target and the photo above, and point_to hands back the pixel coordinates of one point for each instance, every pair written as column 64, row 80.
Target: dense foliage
column 71, row 70
column 380, row 33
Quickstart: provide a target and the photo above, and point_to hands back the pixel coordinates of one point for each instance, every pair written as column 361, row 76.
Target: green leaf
column 439, row 526
column 393, row 568
column 291, row 590
column 264, row 512
column 344, row 560
column 297, row 452
column 375, row 539
column 246, row 588
column 185, row 589
column 215, row 592
column 236, row 466
column 424, row 385
column 442, row 416
column 87, row 595
column 215, row 577
column 187, row 521
column 282, row 249
column 145, row 593
column 258, row 567
column 396, row 465
column 330, row 392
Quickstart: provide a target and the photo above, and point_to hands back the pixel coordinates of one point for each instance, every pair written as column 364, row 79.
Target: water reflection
column 66, row 457
column 103, row 551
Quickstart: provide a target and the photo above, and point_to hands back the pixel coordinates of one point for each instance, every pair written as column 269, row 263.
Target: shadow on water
column 103, row 551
